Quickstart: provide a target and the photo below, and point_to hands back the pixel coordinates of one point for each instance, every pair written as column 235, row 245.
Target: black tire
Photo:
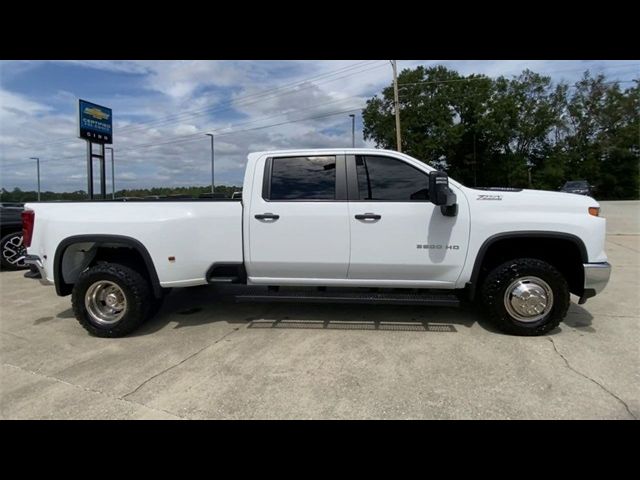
column 137, row 292
column 499, row 279
column 12, row 252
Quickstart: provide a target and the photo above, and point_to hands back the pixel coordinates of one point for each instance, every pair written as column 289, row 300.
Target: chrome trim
column 35, row 261
column 528, row 299
column 105, row 302
column 596, row 277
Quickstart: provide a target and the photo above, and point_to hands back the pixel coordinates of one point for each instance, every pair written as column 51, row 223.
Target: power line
column 216, row 131
column 483, row 77
column 254, row 128
column 286, row 93
column 569, row 87
column 402, row 85
column 191, row 137
column 186, row 138
column 240, row 101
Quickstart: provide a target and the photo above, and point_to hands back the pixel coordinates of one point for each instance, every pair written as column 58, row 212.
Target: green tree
column 521, row 116
column 499, row 132
column 439, row 114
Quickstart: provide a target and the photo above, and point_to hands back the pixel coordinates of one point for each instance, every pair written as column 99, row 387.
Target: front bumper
column 596, row 277
column 37, row 263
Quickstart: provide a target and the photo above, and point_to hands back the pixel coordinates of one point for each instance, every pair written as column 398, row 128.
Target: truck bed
column 197, row 233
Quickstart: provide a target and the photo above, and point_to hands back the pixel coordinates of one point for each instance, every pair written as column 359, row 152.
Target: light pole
column 213, row 187
column 38, row 169
column 113, row 175
column 353, row 130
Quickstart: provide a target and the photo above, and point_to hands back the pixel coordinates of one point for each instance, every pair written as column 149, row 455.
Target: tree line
column 523, row 131
column 20, row 196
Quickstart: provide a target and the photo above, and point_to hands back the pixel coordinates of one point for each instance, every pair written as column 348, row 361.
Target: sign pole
column 89, row 171
column 103, row 176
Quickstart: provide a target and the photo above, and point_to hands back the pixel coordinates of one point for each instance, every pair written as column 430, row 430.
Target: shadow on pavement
column 579, row 318
column 195, row 306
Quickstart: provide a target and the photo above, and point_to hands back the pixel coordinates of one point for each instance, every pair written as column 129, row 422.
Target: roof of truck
column 319, row 151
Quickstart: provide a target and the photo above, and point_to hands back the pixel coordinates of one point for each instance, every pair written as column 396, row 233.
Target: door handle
column 368, row 216
column 267, row 216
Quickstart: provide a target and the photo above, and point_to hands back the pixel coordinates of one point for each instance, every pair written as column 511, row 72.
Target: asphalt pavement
column 204, row 357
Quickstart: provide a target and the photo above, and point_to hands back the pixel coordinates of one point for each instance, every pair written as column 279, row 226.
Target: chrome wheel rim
column 106, row 303
column 13, row 251
column 528, row 299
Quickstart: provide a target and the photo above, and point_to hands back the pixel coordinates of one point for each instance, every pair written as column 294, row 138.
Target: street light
column 212, row 159
column 38, row 167
column 353, row 130
column 113, row 175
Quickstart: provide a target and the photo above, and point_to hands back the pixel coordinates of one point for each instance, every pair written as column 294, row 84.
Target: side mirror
column 440, row 194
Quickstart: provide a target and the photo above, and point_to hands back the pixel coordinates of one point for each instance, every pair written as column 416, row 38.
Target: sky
column 163, row 109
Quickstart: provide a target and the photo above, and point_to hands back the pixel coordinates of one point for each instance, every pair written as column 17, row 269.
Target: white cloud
column 119, row 66
column 12, row 104
column 180, row 79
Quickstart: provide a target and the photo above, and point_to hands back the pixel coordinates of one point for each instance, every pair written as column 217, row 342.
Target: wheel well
column 564, row 253
column 73, row 256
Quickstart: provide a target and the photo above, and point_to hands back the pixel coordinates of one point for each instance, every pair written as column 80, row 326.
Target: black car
column 12, row 252
column 581, row 187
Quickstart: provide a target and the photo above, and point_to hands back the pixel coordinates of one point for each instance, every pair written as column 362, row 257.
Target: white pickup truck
column 339, row 225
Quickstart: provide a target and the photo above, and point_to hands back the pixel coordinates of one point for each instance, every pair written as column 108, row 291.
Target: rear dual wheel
column 112, row 300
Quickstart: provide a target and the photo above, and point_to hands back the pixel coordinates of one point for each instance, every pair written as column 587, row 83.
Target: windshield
column 576, row 184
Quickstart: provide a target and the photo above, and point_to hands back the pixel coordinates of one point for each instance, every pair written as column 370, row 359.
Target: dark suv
column 12, row 252
column 581, row 187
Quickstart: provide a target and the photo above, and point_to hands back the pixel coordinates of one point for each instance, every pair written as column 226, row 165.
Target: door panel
column 411, row 239
column 310, row 238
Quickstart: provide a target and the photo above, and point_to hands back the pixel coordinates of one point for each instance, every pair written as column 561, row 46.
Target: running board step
column 224, row 280
column 337, row 297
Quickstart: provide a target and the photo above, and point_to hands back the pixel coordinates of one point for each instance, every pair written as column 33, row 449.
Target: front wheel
column 111, row 300
column 525, row 296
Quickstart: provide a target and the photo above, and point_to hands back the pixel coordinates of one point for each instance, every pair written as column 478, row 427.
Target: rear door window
column 303, row 178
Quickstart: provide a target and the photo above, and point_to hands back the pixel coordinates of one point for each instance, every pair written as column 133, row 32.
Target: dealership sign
column 94, row 122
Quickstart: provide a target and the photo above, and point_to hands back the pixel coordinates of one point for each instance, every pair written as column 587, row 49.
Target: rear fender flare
column 63, row 288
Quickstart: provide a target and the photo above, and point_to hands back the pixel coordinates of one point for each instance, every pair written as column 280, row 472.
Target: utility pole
column 212, row 159
column 37, row 159
column 113, row 175
column 475, row 162
column 353, row 130
column 397, row 105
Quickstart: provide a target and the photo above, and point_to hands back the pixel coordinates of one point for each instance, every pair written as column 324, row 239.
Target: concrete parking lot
column 204, row 357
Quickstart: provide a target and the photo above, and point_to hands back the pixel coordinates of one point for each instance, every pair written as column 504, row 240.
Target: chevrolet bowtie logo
column 96, row 113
